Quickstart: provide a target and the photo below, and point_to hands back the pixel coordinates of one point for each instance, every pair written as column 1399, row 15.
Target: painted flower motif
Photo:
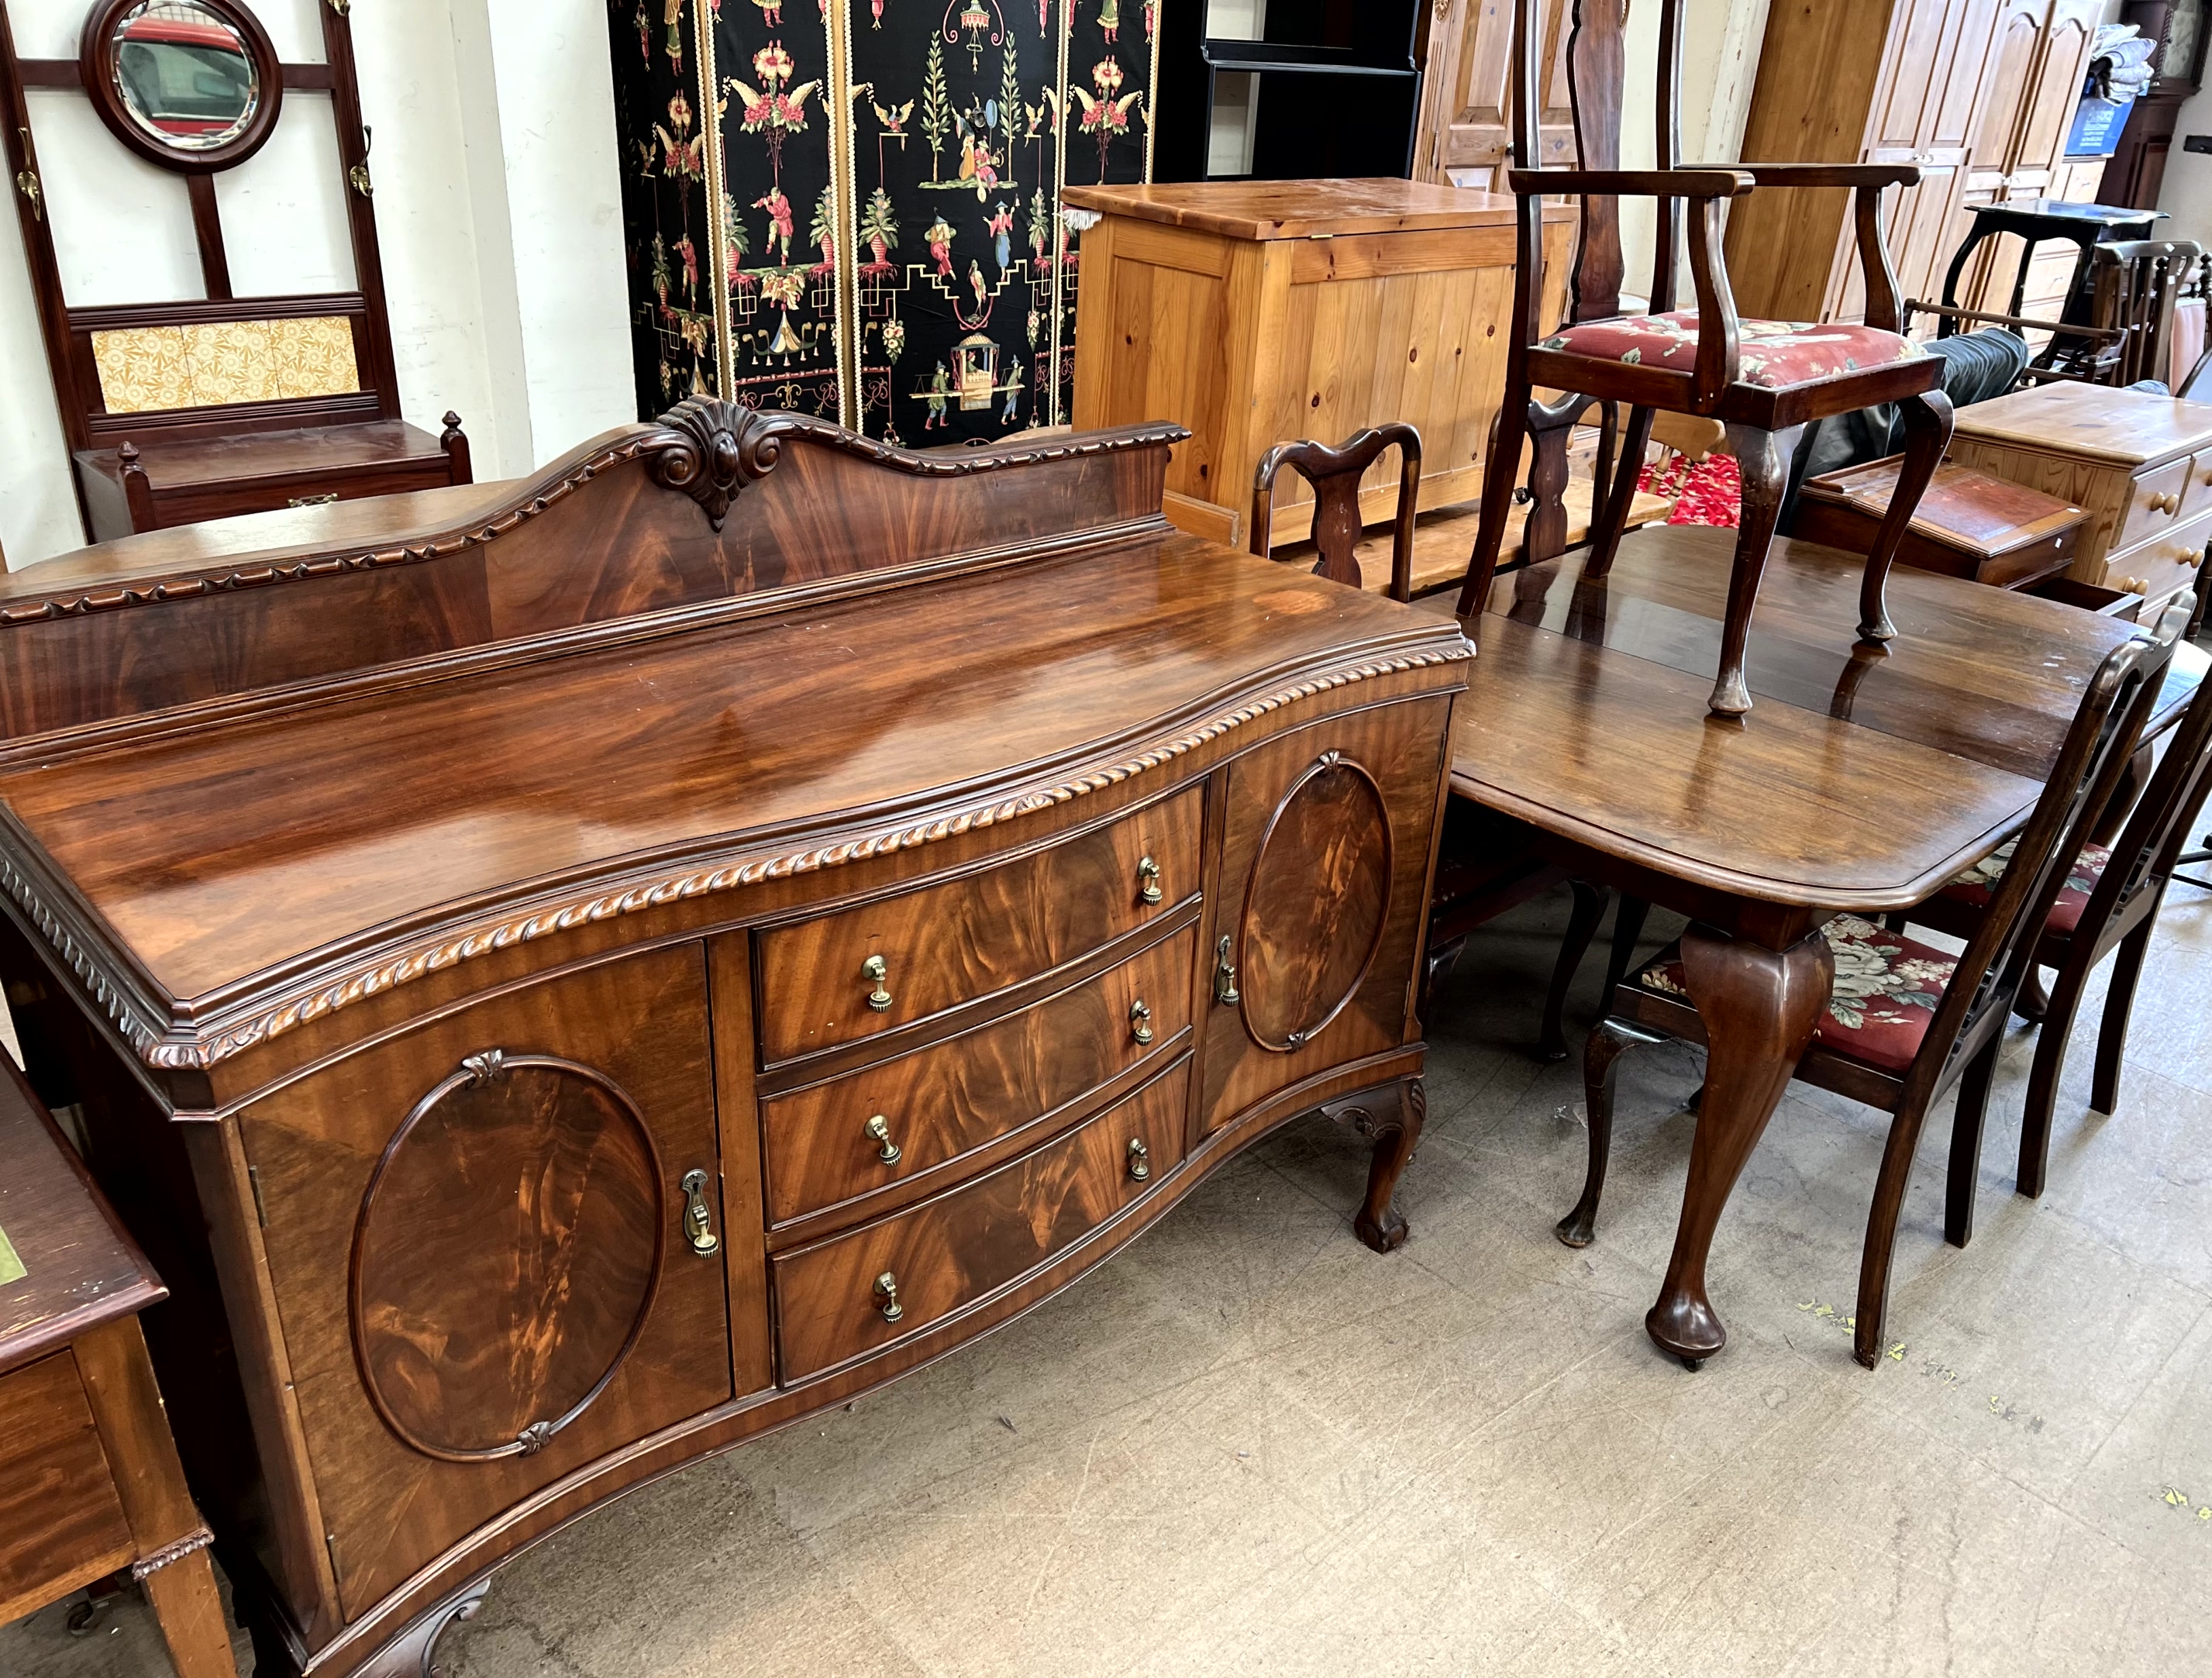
column 772, row 63
column 1106, row 76
column 680, row 113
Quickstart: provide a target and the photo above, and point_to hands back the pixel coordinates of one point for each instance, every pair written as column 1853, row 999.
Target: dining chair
column 1764, row 379
column 1904, row 1021
column 1486, row 863
column 2109, row 900
column 1333, row 474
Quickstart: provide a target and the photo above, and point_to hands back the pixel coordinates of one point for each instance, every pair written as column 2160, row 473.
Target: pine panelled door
column 853, row 211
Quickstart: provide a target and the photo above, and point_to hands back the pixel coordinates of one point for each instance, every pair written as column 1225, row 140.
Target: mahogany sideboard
column 565, row 976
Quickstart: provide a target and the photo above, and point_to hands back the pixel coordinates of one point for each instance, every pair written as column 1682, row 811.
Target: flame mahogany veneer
column 563, row 976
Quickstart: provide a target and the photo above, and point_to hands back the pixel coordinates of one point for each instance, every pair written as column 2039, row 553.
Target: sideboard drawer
column 2165, row 563
column 940, row 945
column 854, row 1293
column 962, row 1093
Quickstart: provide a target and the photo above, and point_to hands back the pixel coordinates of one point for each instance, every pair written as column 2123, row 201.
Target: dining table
column 1864, row 778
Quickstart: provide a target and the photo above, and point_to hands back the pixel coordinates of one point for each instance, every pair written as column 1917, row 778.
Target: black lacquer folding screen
column 876, row 236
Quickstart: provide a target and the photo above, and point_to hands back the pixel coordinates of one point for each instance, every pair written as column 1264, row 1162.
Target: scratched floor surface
column 1249, row 1445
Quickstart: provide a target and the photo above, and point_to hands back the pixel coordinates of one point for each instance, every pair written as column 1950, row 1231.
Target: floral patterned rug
column 1705, row 492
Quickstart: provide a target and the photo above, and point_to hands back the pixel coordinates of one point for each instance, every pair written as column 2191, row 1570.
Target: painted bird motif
column 894, row 120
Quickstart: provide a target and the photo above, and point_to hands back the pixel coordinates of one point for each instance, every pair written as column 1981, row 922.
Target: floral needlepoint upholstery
column 1774, row 354
column 1979, row 883
column 1885, row 995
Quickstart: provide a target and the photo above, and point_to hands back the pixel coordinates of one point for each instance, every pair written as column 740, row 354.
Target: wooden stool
column 90, row 1480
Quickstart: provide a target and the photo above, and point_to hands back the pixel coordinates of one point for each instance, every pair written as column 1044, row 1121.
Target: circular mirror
column 190, row 84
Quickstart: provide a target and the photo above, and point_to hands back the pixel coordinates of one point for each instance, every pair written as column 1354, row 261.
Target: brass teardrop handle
column 1140, row 1160
column 1141, row 1021
column 877, row 972
column 878, row 1129
column 1149, row 890
column 887, row 1297
column 1224, row 974
column 698, row 1221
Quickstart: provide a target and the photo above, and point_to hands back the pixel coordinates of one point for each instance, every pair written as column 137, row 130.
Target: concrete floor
column 1248, row 1444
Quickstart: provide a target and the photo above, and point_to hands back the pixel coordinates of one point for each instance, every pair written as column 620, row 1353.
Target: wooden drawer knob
column 2168, row 503
column 887, row 1297
column 878, row 1130
column 878, row 972
column 2136, row 585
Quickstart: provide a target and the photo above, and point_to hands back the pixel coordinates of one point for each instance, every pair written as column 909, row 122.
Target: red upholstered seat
column 1976, row 885
column 1884, row 998
column 1774, row 354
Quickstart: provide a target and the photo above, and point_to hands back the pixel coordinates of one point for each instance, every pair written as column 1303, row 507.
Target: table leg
column 134, row 1431
column 1759, row 1008
column 190, row 1611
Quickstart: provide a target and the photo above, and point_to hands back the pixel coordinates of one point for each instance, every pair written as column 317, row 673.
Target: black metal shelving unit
column 1338, row 89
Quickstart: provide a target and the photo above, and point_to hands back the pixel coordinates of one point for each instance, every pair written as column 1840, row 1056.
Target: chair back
column 2135, row 284
column 1597, row 76
column 2158, row 830
column 2091, row 763
column 1334, row 475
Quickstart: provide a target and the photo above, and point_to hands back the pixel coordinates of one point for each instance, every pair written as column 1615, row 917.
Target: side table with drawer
column 2139, row 464
column 89, row 1480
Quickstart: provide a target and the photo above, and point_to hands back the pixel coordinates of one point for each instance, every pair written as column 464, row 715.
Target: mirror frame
column 96, row 65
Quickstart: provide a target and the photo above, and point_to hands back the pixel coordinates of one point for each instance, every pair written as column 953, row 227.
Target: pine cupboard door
column 1466, row 103
column 1326, row 850
column 477, row 1235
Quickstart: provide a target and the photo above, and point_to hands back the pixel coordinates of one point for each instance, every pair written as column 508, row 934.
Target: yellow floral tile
column 144, row 369
column 314, row 356
column 231, row 363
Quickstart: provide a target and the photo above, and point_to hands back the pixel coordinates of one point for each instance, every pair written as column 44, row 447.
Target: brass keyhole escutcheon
column 877, row 972
column 1141, row 1021
column 698, row 1221
column 878, row 1130
column 1224, row 974
column 887, row 1297
column 1149, row 890
column 1140, row 1160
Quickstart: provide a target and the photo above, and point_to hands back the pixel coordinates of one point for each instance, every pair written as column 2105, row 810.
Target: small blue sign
column 2097, row 126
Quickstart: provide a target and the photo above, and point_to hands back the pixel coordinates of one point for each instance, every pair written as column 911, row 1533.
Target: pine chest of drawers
column 564, row 977
column 2139, row 464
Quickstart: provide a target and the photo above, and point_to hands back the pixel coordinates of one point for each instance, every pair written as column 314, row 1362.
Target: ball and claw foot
column 1384, row 1237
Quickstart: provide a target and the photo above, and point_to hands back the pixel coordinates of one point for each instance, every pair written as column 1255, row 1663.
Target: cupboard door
column 2015, row 46
column 2056, row 89
column 1955, row 104
column 477, row 1240
column 1904, row 106
column 1324, row 888
column 1466, row 122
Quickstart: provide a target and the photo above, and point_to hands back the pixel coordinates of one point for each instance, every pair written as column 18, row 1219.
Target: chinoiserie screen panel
column 854, row 210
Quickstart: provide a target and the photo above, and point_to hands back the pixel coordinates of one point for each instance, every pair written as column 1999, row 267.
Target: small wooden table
column 1260, row 312
column 1867, row 778
column 90, row 1480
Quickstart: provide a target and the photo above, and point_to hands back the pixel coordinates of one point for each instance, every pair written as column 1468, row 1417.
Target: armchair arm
column 1884, row 306
column 1714, row 183
column 1832, row 174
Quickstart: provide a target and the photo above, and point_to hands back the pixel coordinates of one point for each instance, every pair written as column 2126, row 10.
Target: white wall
column 498, row 212
column 1720, row 62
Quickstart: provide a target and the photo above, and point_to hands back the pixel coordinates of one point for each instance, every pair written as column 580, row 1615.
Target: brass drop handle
column 1224, row 974
column 1149, row 890
column 878, row 972
column 1141, row 1021
column 698, row 1221
column 887, row 1297
column 1140, row 1160
column 878, row 1129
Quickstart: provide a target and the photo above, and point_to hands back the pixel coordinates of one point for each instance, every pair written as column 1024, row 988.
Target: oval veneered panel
column 506, row 1256
column 1314, row 910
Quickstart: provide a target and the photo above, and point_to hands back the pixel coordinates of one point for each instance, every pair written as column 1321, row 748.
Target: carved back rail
column 716, row 510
